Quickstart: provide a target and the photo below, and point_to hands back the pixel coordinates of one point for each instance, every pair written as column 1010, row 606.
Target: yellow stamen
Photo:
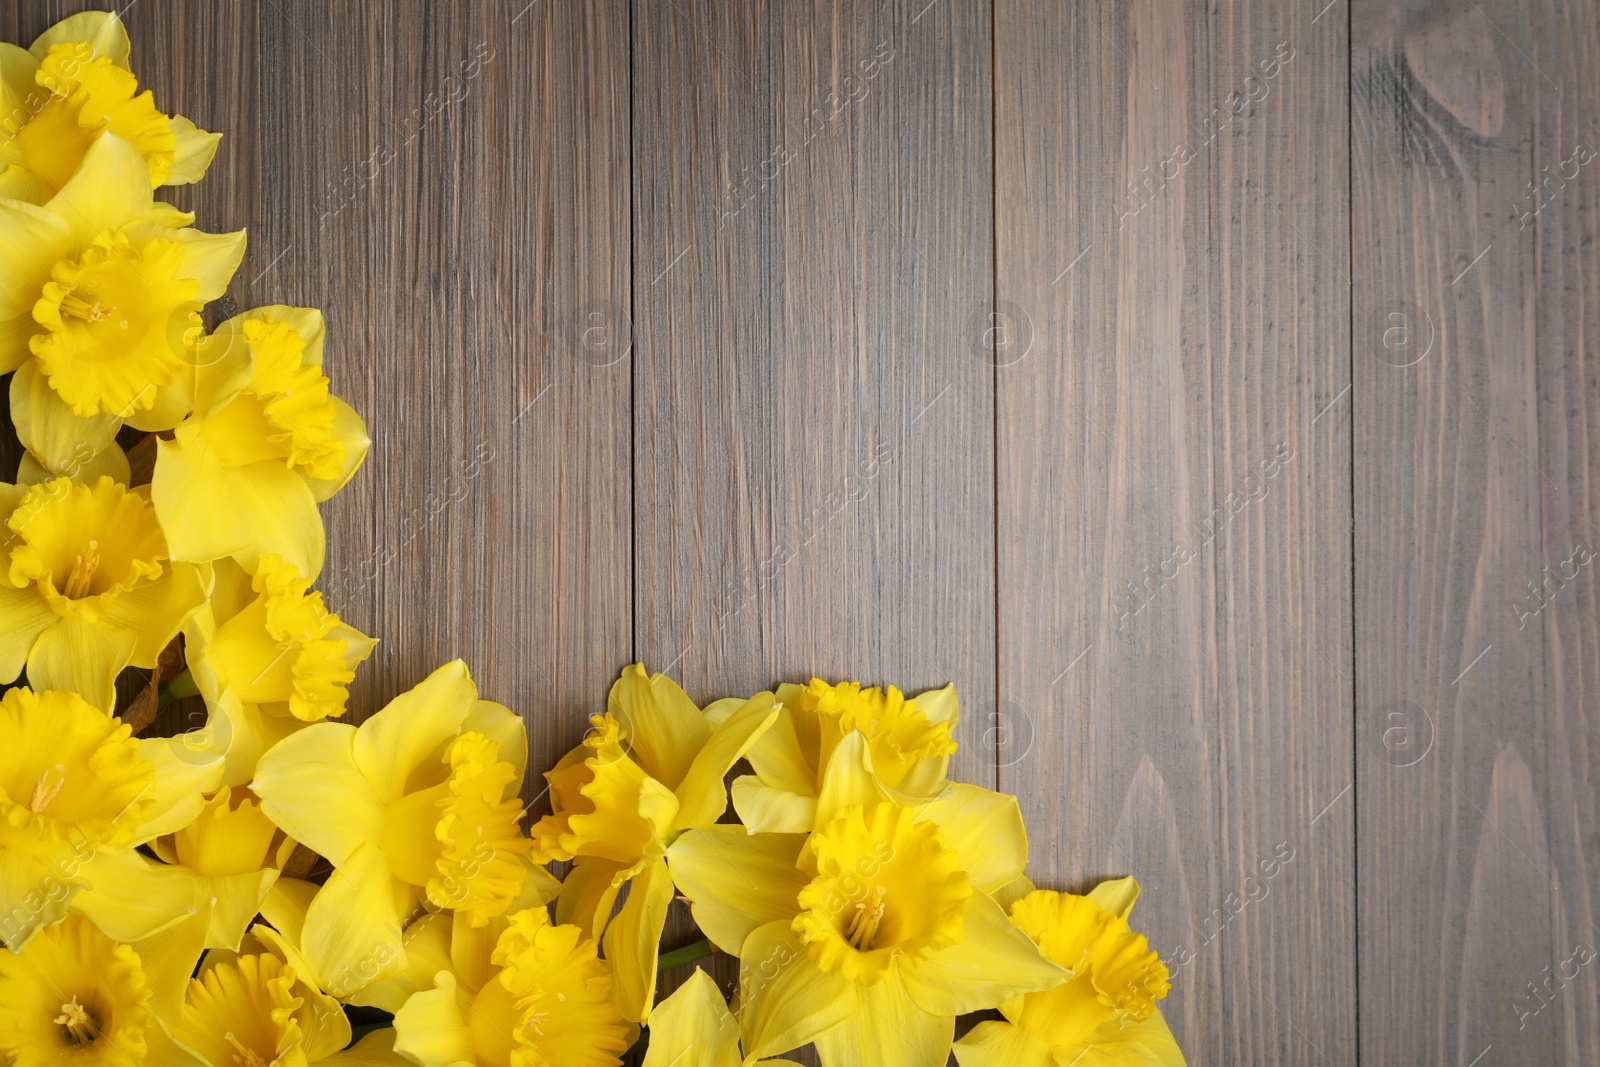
column 536, row 1021
column 45, row 791
column 244, row 1057
column 80, row 1026
column 74, row 305
column 83, row 569
column 864, row 924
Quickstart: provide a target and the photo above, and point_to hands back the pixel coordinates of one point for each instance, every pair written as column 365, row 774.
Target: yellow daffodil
column 532, row 995
column 87, row 587
column 75, row 996
column 243, row 475
column 693, row 1028
column 254, row 1011
column 909, row 739
column 232, row 853
column 418, row 803
column 1105, row 1014
column 100, row 297
column 283, row 658
column 871, row 934
column 68, row 88
column 651, row 768
column 78, row 795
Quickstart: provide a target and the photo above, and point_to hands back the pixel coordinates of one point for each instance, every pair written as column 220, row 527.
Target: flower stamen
column 45, row 791
column 864, row 924
column 243, row 1057
column 83, row 569
column 79, row 1024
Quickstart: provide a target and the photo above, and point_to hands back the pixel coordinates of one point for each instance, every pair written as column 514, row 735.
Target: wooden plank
column 813, row 413
column 450, row 186
column 1173, row 495
column 1475, row 297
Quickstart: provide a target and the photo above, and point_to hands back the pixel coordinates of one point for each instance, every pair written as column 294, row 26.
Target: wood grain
column 1475, row 301
column 813, row 449
column 1173, row 514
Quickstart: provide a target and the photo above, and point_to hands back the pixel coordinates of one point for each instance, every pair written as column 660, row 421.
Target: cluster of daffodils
column 275, row 886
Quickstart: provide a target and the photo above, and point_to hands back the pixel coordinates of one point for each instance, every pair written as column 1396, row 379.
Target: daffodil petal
column 17, row 69
column 156, row 610
column 1002, row 1044
column 1012, row 892
column 787, row 1000
column 1138, row 1044
column 430, row 1028
column 665, row 729
column 588, row 894
column 766, row 809
column 427, row 953
column 413, row 727
column 110, row 187
column 210, row 258
column 24, row 615
column 737, row 882
column 1116, row 895
column 232, row 901
column 351, row 433
column 111, row 463
column 505, row 728
column 209, row 510
column 186, row 769
column 15, row 331
column 888, row 1027
column 353, row 928
column 986, row 828
column 993, row 962
column 632, row 940
column 940, row 705
column 193, row 153
column 777, row 757
column 702, row 797
column 375, row 1050
column 32, row 241
column 168, row 958
column 849, row 780
column 101, row 30
column 131, row 897
column 286, row 905
column 82, row 656
column 693, row 1025
column 311, row 786
column 47, row 426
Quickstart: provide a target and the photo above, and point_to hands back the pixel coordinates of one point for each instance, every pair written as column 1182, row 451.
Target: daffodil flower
column 693, row 1028
column 909, row 738
column 100, row 297
column 418, row 803
column 284, row 660
column 75, row 995
column 266, row 442
column 651, row 768
column 1105, row 1014
column 86, row 586
column 78, row 794
column 529, row 994
column 231, row 854
column 71, row 85
column 871, row 934
column 254, row 1011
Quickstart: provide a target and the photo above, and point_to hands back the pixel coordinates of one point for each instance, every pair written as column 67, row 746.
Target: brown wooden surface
column 1184, row 677
column 1474, row 472
column 923, row 376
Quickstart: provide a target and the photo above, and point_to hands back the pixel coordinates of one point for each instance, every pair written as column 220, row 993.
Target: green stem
column 699, row 950
column 176, row 688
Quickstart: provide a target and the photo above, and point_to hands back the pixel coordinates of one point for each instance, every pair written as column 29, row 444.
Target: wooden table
column 1203, row 389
